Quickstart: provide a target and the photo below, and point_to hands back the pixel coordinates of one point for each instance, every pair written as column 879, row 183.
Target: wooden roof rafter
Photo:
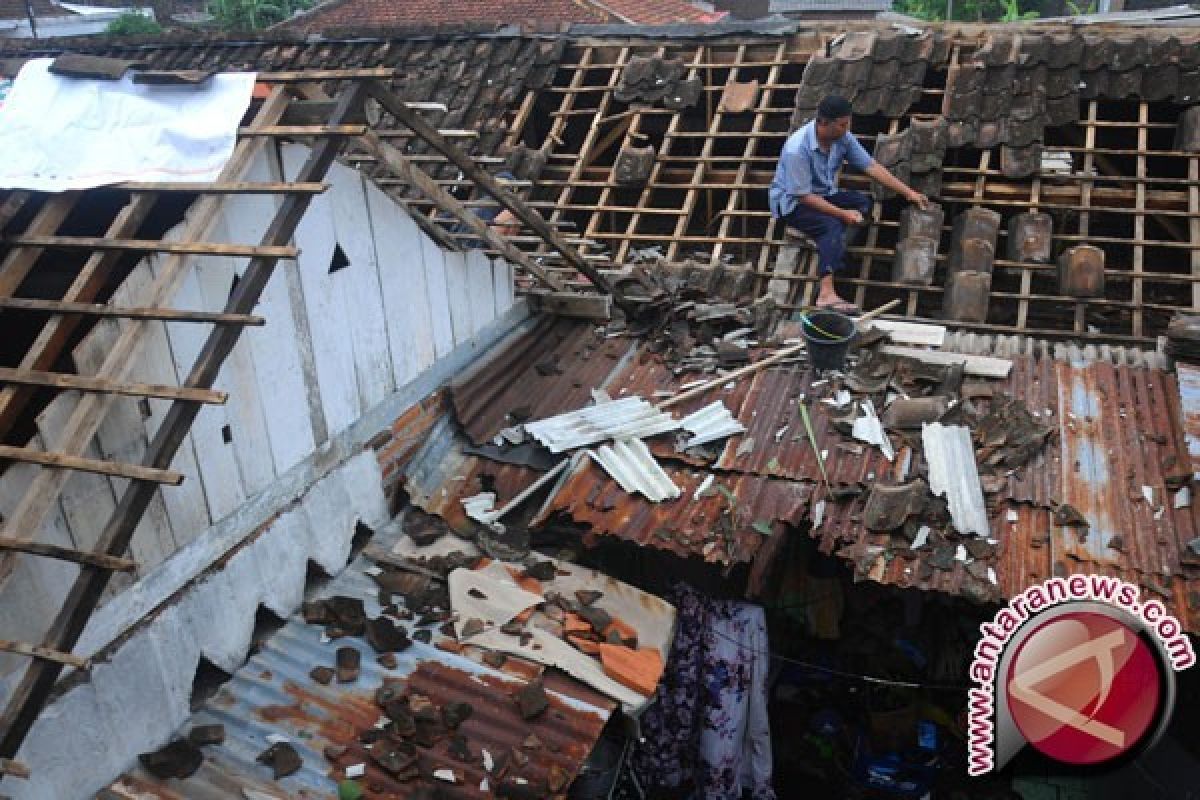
column 113, row 376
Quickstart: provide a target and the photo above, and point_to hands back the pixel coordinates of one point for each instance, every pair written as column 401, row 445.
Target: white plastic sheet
column 61, row 133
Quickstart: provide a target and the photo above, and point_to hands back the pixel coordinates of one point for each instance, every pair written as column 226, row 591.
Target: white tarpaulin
column 59, row 133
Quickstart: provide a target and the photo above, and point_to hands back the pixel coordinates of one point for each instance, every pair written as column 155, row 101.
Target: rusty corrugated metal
column 274, row 694
column 690, row 525
column 1117, row 427
column 547, row 370
column 440, row 475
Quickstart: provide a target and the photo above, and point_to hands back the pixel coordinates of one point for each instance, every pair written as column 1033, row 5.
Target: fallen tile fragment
column 177, row 759
column 532, row 700
column 349, row 661
column 282, row 758
column 639, row 670
column 203, row 735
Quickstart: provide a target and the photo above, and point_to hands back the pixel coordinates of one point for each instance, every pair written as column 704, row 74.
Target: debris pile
column 688, row 317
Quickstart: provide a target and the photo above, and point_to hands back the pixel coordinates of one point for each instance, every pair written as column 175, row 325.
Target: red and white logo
column 1083, row 688
column 1082, row 668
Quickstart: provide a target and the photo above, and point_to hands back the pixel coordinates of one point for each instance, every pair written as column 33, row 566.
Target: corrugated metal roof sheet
column 440, row 475
column 724, row 524
column 987, row 344
column 1119, row 428
column 1118, row 425
column 549, row 369
column 274, row 694
column 623, row 418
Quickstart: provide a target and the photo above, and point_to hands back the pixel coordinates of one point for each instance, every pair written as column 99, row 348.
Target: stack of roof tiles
column 1004, row 94
column 880, row 72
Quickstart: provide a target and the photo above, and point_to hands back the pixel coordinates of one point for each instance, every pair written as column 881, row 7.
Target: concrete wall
column 337, row 348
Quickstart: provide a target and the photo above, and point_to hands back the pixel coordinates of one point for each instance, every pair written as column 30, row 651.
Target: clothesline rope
column 843, row 674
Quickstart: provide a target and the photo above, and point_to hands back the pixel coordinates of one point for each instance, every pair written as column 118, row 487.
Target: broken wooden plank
column 65, row 461
column 85, row 383
column 127, row 312
column 151, row 246
column 114, row 563
column 43, row 653
column 980, row 366
column 571, row 304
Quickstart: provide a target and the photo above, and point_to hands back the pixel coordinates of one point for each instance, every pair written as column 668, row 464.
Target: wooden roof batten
column 113, row 377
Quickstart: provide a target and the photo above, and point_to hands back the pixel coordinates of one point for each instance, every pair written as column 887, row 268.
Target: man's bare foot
column 835, row 303
column 829, row 299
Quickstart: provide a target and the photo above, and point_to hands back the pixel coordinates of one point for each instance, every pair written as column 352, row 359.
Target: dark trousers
column 829, row 233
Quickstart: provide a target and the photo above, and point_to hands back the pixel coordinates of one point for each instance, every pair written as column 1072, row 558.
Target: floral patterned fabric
column 708, row 727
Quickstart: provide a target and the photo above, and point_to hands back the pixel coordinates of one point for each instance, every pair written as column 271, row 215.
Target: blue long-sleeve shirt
column 804, row 169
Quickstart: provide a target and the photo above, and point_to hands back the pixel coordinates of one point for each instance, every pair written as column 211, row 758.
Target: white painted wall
column 335, row 346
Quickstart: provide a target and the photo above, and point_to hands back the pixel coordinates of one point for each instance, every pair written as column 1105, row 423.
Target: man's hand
column 917, row 199
column 851, row 217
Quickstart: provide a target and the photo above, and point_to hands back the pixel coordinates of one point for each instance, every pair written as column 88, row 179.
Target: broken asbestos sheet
column 498, row 612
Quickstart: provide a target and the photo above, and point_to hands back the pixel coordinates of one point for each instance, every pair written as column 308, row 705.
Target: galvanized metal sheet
column 550, row 369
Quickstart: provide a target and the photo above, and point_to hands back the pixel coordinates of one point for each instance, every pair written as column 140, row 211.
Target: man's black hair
column 833, row 107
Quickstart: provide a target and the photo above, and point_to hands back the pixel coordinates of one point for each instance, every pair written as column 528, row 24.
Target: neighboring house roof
column 346, row 14
column 824, row 6
column 389, row 14
column 659, row 12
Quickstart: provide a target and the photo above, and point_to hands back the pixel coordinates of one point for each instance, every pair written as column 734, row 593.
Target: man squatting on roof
column 805, row 196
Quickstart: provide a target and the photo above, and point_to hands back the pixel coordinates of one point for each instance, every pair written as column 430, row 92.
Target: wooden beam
column 1194, row 226
column 573, row 304
column 44, row 653
column 80, row 464
column 696, row 185
column 150, row 246
column 67, row 554
column 29, row 696
column 304, row 130
column 81, row 426
column 86, row 383
column 306, row 75
column 12, row 205
column 14, row 768
column 17, row 263
column 656, row 171
column 1139, row 222
column 589, row 149
column 127, row 312
column 401, row 166
column 235, row 187
column 506, row 198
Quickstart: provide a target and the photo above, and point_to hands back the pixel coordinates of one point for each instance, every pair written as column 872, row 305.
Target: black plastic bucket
column 828, row 335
